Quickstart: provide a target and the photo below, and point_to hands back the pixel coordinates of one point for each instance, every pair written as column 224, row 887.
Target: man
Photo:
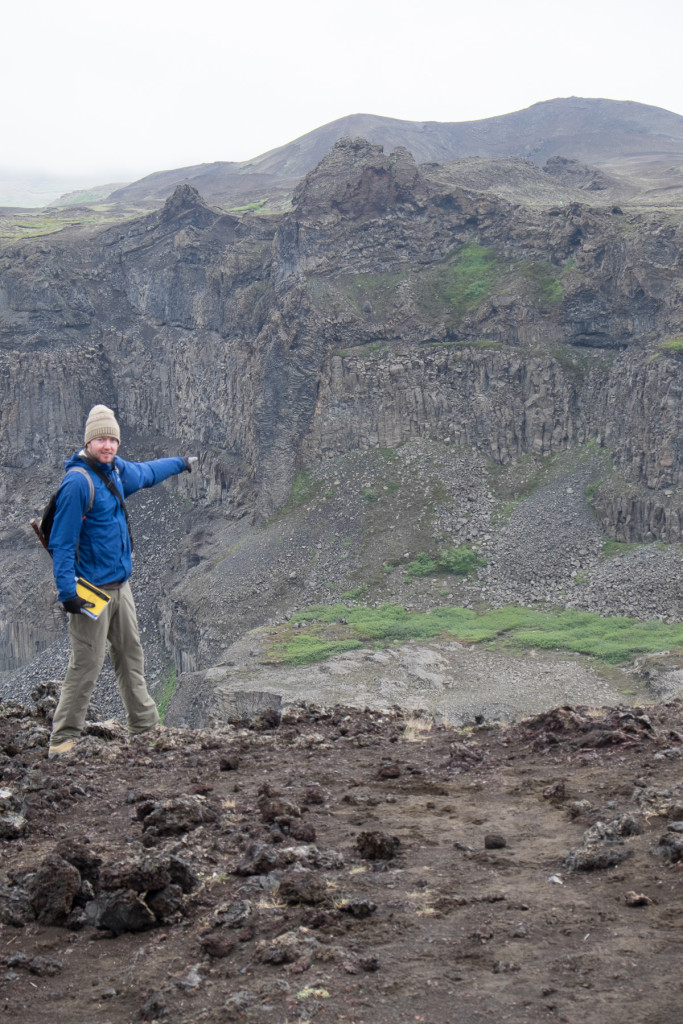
column 90, row 538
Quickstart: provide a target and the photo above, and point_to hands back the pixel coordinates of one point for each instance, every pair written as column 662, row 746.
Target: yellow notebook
column 94, row 595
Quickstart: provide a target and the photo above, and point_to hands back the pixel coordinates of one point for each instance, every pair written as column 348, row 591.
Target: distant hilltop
column 621, row 135
column 598, row 132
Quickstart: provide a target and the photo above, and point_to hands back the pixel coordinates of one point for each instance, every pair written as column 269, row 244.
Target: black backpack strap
column 111, row 486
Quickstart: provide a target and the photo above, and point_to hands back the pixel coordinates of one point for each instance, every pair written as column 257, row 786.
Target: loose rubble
column 377, row 874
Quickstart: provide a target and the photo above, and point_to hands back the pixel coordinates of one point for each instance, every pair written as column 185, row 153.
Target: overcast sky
column 111, row 92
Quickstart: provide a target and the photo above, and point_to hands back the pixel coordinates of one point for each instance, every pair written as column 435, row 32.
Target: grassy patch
column 30, row 227
column 591, row 491
column 612, row 640
column 249, row 208
column 673, row 346
column 460, row 284
column 542, row 285
column 166, row 693
column 423, row 565
column 305, row 487
column 461, row 561
column 618, row 547
column 24, row 224
column 305, row 649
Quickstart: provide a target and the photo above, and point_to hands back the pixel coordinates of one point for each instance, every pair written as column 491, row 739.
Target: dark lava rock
column 80, row 856
column 53, row 889
column 12, row 825
column 181, row 814
column 78, row 918
column 495, row 841
column 86, row 893
column 359, row 908
column 260, row 860
column 269, row 718
column 596, row 858
column 9, row 800
column 670, row 847
column 41, row 966
column 119, row 912
column 627, row 825
column 140, row 874
column 149, row 873
column 370, row 963
column 16, row 908
column 46, row 697
column 154, row 1007
column 183, row 874
column 314, row 795
column 604, row 737
column 557, row 792
column 302, row 831
column 302, row 887
column 233, row 915
column 272, row 809
column 217, row 944
column 167, row 903
column 377, row 845
column 229, row 763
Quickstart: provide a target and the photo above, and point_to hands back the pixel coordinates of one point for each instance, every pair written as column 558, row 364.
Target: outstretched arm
column 137, row 475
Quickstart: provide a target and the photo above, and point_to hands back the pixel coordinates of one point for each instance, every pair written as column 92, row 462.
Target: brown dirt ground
column 302, row 904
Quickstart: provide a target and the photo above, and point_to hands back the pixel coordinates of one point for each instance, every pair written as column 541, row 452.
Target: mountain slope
column 594, row 131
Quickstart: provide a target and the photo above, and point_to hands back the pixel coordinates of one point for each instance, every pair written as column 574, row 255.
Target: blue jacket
column 96, row 544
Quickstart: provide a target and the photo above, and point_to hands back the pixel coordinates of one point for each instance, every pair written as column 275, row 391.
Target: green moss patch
column 325, row 630
column 673, row 346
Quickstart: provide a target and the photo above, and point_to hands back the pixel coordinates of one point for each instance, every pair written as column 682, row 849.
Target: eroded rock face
column 389, row 304
column 233, row 334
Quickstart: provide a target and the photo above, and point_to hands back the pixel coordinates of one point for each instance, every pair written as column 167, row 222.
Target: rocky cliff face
column 391, row 304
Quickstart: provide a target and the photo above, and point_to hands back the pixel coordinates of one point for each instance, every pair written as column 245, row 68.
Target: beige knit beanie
column 101, row 422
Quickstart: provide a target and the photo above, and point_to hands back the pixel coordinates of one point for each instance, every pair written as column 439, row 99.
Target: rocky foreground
column 344, row 865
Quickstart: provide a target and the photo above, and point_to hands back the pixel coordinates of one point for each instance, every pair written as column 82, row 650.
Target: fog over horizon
column 113, row 94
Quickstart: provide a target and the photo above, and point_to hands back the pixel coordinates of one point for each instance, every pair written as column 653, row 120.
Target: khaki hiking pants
column 117, row 624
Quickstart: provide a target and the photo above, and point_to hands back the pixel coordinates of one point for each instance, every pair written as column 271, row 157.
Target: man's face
column 102, row 449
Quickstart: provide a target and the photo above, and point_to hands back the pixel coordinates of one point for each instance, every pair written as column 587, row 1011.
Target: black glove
column 74, row 605
column 190, row 461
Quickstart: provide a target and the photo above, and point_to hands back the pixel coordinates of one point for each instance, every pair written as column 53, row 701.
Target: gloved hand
column 74, row 605
column 190, row 462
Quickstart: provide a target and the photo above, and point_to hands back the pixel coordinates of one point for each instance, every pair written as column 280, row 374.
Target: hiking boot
column 59, row 749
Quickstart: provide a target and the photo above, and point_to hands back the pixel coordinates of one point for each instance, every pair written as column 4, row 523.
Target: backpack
column 44, row 527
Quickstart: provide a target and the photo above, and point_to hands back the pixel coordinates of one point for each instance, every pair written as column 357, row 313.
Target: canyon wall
column 387, row 305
